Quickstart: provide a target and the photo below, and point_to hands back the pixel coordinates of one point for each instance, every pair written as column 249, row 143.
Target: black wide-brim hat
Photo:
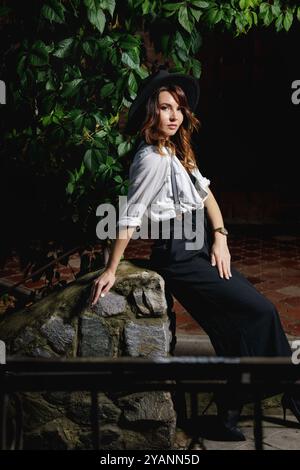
column 137, row 111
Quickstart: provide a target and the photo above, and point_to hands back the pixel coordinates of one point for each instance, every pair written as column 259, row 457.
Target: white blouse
column 150, row 188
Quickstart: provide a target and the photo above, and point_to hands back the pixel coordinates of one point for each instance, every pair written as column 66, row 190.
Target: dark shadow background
column 249, row 143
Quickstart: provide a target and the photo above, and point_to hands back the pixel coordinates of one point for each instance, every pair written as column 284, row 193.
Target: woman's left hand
column 220, row 256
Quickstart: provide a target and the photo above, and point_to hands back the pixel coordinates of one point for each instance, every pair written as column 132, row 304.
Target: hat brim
column 136, row 114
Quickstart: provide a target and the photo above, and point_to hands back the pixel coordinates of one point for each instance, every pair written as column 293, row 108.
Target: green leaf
column 248, row 17
column 254, row 14
column 276, row 10
column 279, row 23
column 21, row 65
column 92, row 4
column 38, row 55
column 200, row 3
column 179, row 41
column 63, row 48
column 92, row 159
column 196, row 67
column 264, row 7
column 266, row 14
column 288, row 20
column 54, row 11
column 173, row 6
column 71, row 88
column 107, row 90
column 183, row 56
column 195, row 41
column 46, row 120
column 97, row 18
column 214, row 15
column 142, row 72
column 184, row 19
column 76, row 116
column 90, row 47
column 108, row 5
column 196, row 13
column 123, row 148
column 118, row 179
column 41, row 76
column 127, row 41
column 132, row 83
column 298, row 13
column 146, row 7
column 70, row 188
column 131, row 58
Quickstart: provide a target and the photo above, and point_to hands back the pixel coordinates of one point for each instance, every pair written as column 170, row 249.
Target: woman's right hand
column 102, row 285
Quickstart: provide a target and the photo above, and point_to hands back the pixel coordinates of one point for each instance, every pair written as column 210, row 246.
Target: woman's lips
column 172, row 126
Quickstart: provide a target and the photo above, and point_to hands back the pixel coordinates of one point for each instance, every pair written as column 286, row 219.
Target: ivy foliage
column 78, row 65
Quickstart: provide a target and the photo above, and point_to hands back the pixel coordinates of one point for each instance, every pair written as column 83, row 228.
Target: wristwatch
column 222, row 230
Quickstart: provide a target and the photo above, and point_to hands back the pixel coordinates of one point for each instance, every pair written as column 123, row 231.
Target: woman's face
column 170, row 113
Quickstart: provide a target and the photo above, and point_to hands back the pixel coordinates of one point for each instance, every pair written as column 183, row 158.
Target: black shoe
column 228, row 419
column 291, row 403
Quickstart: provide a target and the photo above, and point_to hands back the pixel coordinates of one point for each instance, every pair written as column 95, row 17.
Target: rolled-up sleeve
column 202, row 185
column 146, row 178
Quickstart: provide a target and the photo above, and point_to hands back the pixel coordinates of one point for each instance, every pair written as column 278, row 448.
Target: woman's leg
column 238, row 318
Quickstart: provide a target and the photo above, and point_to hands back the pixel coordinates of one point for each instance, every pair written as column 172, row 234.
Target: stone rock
column 149, row 302
column 29, row 343
column 111, row 438
column 153, row 406
column 24, row 339
column 147, row 339
column 59, row 434
column 156, row 437
column 79, row 409
column 59, row 335
column 111, row 304
column 132, row 320
column 96, row 338
column 43, row 352
column 37, row 411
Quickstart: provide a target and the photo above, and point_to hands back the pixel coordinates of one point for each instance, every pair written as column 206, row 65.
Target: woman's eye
column 164, row 107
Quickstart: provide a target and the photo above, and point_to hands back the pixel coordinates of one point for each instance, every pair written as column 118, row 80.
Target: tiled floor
column 268, row 256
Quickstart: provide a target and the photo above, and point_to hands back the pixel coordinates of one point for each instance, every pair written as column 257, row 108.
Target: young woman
column 165, row 180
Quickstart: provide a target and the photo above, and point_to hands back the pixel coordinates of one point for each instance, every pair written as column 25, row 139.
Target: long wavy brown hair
column 179, row 143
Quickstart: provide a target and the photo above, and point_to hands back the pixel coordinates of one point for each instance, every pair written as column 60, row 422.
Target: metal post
column 95, row 419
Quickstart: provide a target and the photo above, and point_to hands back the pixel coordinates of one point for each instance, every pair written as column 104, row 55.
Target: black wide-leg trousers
column 239, row 320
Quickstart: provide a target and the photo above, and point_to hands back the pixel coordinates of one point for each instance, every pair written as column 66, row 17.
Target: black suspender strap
column 175, row 191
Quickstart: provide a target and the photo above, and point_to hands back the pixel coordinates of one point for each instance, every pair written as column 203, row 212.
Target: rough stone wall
column 131, row 320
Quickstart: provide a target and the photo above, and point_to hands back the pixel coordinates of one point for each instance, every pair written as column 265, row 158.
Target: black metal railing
column 257, row 376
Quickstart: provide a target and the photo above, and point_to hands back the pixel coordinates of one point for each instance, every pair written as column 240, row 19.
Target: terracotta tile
column 291, row 328
column 269, row 258
column 254, row 280
column 274, row 284
column 271, row 272
column 249, row 262
column 293, row 301
column 274, row 295
column 293, row 313
column 290, row 291
column 288, row 272
column 251, row 254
